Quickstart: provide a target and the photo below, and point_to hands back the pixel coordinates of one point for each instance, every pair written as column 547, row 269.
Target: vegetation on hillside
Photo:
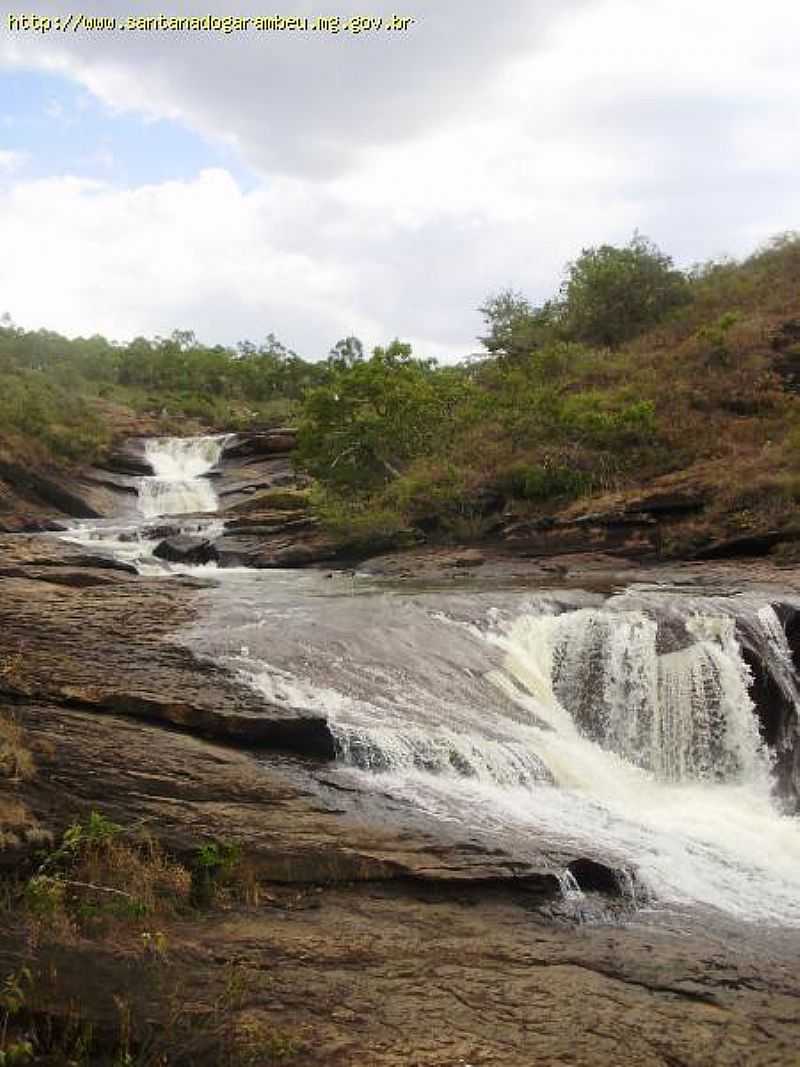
column 633, row 369
column 56, row 393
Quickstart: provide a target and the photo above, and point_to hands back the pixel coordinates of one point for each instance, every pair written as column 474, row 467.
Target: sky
column 383, row 184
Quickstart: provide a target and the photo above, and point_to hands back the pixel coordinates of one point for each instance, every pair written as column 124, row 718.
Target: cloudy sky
column 383, row 183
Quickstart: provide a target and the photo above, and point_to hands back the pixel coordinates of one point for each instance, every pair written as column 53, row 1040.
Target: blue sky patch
column 62, row 129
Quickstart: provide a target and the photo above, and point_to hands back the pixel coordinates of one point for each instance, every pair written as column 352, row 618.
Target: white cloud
column 400, row 183
column 297, row 102
column 90, row 258
column 11, row 160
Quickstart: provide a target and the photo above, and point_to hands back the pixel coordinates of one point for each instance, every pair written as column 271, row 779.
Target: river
column 616, row 722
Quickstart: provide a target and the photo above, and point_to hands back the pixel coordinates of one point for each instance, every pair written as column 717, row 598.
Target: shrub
column 541, row 483
column 432, row 489
column 515, row 327
column 613, row 294
column 360, row 525
column 103, row 873
column 713, row 339
column 213, row 865
column 603, row 422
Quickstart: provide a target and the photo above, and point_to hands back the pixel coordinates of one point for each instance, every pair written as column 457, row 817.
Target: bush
column 213, row 866
column 603, row 422
column 430, row 489
column 713, row 339
column 360, row 527
column 515, row 327
column 541, row 483
column 613, row 294
column 103, row 873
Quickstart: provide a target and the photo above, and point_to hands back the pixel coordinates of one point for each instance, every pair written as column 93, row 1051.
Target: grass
column 222, row 1029
column 106, row 889
column 107, row 880
column 17, row 761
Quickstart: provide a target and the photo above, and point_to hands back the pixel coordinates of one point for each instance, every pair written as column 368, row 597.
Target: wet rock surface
column 379, row 938
column 362, row 955
column 104, row 643
column 181, row 548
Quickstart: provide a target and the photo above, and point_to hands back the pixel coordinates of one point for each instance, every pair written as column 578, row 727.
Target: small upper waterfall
column 179, row 486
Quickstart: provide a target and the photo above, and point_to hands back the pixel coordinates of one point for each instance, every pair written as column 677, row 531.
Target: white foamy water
column 623, row 731
column 179, row 486
column 619, row 728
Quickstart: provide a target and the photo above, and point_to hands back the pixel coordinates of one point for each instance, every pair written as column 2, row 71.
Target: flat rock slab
column 392, row 976
column 239, row 479
column 190, row 791
column 105, row 645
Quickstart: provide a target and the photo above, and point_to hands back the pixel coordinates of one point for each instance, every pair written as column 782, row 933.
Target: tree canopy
column 612, row 294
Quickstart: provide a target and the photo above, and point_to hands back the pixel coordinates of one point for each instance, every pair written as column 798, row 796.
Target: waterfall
column 617, row 728
column 179, row 486
column 684, row 714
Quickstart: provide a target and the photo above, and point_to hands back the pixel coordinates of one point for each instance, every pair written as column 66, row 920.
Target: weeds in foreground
column 103, row 876
column 16, row 758
column 222, row 1032
column 115, row 884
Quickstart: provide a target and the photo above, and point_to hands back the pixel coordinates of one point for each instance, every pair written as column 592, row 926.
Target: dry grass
column 16, row 758
column 15, row 823
column 118, row 885
column 153, row 884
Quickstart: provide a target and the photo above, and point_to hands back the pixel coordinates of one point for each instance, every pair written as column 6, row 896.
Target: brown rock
column 59, row 631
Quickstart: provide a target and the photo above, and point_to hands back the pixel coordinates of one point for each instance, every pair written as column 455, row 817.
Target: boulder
column 186, row 549
column 128, row 457
column 280, row 549
column 266, row 443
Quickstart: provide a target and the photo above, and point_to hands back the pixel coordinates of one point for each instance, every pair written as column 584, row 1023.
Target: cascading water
column 179, row 486
column 684, row 714
column 621, row 728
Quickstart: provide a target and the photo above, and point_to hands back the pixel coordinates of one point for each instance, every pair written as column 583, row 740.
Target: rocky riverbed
column 376, row 935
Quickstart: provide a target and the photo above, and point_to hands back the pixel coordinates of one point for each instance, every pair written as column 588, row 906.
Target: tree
column 371, row 419
column 345, row 354
column 613, row 294
column 515, row 326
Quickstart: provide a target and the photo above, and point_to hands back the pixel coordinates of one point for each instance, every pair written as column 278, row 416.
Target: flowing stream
column 179, row 497
column 179, row 486
column 619, row 725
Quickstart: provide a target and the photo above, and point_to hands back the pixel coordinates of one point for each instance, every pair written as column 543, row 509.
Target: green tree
column 613, row 294
column 515, row 327
column 362, row 428
column 345, row 353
